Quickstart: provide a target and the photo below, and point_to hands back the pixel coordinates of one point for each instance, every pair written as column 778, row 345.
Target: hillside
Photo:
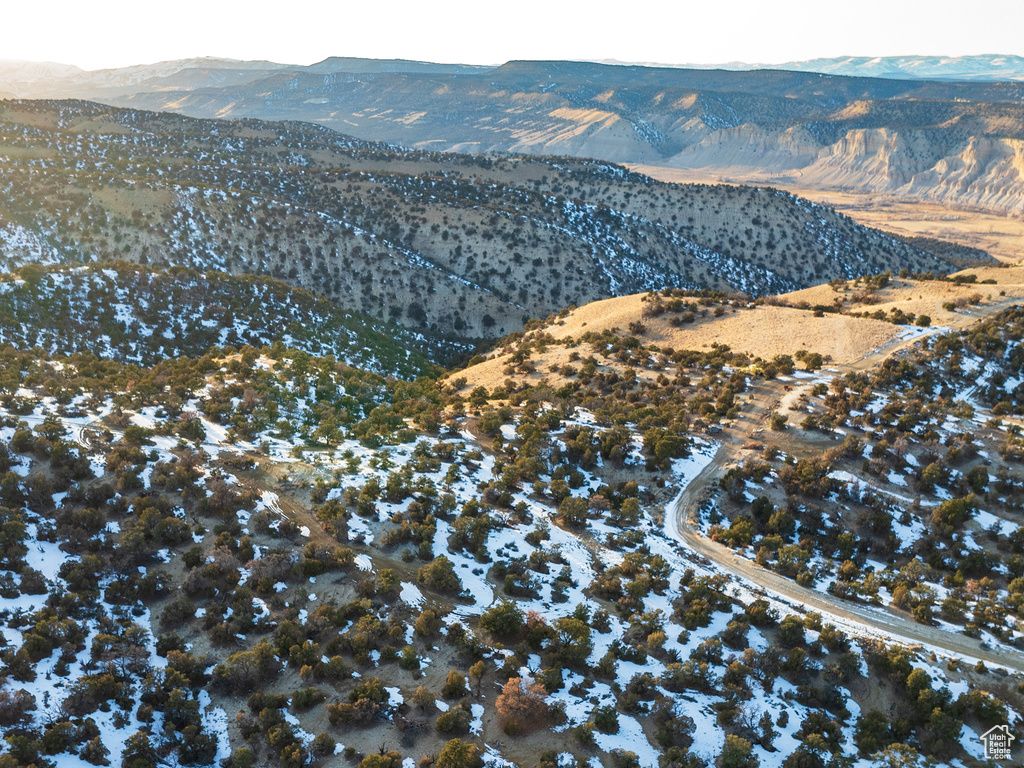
column 846, row 321
column 265, row 559
column 677, row 323
column 955, row 143
column 954, row 303
column 463, row 246
column 137, row 315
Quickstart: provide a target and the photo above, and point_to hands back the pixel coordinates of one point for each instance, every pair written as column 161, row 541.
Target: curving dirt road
column 876, row 622
column 872, row 621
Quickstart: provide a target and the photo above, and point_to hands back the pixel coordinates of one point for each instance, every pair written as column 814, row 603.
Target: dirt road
column 866, row 620
column 877, row 622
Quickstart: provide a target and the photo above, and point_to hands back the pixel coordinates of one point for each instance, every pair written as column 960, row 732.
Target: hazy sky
column 108, row 33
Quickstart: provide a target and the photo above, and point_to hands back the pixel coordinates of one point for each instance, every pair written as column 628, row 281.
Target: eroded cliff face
column 751, row 146
column 879, row 159
column 950, row 167
column 988, row 173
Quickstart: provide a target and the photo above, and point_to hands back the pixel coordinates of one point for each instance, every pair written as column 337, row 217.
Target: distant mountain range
column 26, row 79
column 950, row 141
column 991, row 68
column 30, row 80
column 981, row 68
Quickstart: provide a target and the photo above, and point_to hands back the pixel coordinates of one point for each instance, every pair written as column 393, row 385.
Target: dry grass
column 759, row 332
column 763, row 331
column 766, row 331
column 491, row 373
column 924, row 297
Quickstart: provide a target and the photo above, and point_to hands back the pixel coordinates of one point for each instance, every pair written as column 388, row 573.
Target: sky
column 112, row 33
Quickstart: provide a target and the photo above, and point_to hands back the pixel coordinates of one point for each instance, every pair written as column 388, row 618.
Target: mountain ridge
column 978, row 67
column 955, row 143
column 446, row 244
column 945, row 141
